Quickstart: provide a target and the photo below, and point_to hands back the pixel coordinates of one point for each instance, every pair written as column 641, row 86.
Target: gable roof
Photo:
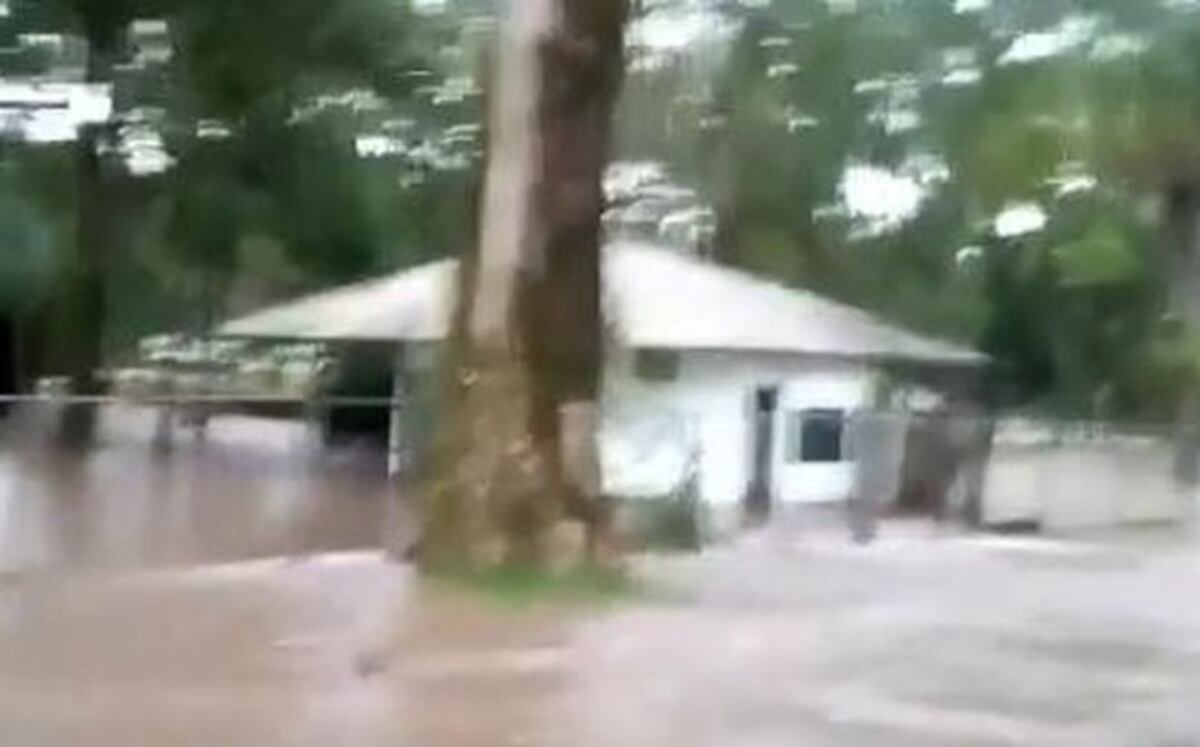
column 654, row 298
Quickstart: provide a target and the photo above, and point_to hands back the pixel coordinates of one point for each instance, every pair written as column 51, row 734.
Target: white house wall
column 845, row 388
column 652, row 429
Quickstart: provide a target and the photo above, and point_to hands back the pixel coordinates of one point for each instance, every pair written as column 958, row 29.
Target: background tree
column 260, row 188
column 951, row 119
column 102, row 25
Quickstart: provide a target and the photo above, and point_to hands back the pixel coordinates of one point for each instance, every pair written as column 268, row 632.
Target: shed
column 741, row 384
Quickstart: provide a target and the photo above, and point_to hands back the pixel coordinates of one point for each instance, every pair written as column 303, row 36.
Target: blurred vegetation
column 256, row 115
column 304, row 143
column 671, row 522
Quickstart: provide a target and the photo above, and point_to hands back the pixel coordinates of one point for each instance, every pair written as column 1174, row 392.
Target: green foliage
column 764, row 130
column 242, row 59
column 207, row 209
column 671, row 522
column 37, row 225
column 278, row 201
column 1073, row 313
column 1102, row 256
column 27, row 260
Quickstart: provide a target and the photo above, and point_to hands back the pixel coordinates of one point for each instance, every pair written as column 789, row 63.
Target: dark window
column 766, row 399
column 814, row 436
column 656, row 365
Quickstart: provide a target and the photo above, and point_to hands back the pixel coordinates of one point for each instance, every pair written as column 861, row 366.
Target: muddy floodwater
column 252, row 487
column 773, row 641
column 232, row 595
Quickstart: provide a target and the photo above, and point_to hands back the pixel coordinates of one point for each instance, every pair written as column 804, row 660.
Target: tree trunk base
column 491, row 503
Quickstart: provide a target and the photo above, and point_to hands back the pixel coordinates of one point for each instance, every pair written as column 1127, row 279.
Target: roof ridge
column 789, row 292
column 663, row 297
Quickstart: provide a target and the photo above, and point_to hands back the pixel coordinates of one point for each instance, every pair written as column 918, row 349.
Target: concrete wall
column 1074, row 481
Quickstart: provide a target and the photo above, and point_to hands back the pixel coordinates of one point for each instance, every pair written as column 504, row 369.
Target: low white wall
column 1066, row 482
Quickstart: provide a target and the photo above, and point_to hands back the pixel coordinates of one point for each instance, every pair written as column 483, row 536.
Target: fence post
column 878, row 441
column 396, row 445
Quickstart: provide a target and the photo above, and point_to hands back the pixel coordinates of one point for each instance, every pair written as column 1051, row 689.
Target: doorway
column 762, row 454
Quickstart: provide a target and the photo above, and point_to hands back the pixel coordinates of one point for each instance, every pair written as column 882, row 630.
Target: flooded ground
column 779, row 640
column 253, row 487
column 230, row 593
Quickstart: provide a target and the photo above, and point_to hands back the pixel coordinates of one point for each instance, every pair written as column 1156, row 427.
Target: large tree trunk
column 516, row 450
column 84, row 294
column 85, row 291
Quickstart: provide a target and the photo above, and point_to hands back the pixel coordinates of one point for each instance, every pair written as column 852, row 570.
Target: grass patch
column 523, row 587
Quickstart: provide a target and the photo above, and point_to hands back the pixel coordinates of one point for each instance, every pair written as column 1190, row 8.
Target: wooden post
column 396, row 462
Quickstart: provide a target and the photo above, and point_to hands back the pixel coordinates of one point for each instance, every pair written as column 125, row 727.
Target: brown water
column 252, row 487
column 194, row 600
column 911, row 642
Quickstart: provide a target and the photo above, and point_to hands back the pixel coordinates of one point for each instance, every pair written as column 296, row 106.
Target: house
column 740, row 384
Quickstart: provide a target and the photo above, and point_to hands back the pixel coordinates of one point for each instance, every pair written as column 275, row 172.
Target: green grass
column 523, row 587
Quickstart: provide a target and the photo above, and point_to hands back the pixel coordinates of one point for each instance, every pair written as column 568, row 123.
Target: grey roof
column 654, row 298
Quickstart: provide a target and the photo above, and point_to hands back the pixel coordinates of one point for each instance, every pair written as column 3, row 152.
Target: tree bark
column 85, row 294
column 516, row 451
column 85, row 291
